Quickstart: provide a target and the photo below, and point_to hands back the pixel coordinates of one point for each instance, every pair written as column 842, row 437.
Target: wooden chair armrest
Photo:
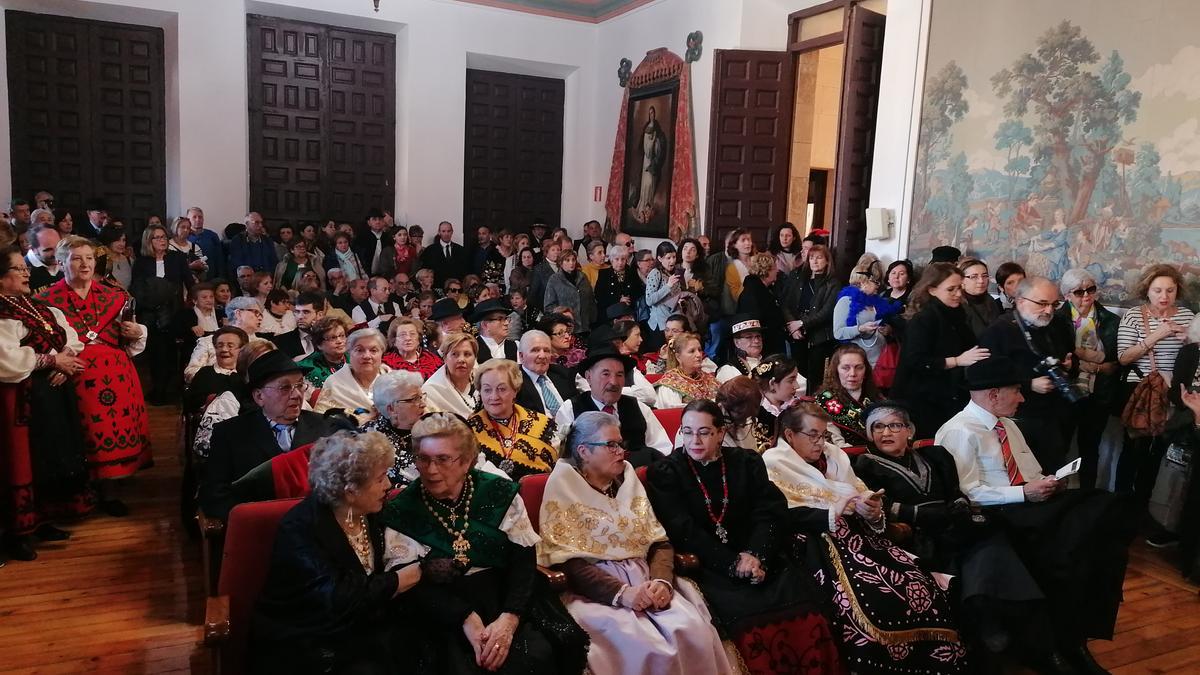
column 211, row 528
column 898, row 533
column 557, row 581
column 686, row 563
column 216, row 620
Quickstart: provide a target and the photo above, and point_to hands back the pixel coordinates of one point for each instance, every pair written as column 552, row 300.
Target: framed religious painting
column 649, row 147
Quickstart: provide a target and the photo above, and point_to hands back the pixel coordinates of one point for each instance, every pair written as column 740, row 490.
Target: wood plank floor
column 125, row 595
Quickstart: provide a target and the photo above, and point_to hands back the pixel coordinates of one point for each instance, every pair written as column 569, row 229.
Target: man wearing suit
column 276, row 425
column 542, row 273
column 372, row 246
column 492, row 317
column 378, row 310
column 447, row 259
column 545, row 384
column 308, row 308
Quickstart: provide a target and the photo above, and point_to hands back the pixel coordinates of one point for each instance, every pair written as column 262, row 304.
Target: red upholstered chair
column 249, row 538
column 670, row 418
column 855, row 450
column 653, row 378
column 923, row 443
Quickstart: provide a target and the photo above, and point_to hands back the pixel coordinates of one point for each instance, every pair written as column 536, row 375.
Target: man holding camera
column 1040, row 344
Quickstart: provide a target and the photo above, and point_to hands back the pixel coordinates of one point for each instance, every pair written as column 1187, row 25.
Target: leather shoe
column 48, row 532
column 1054, row 663
column 1084, row 661
column 20, row 548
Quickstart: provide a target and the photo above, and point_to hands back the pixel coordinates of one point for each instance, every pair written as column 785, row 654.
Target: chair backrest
column 533, row 488
column 855, row 450
column 670, row 418
column 653, row 378
column 923, row 443
column 249, row 539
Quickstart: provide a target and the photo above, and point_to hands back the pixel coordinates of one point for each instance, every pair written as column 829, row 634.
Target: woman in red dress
column 116, row 431
column 42, row 475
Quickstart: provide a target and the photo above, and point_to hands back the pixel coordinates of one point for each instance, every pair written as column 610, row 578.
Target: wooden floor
column 124, row 595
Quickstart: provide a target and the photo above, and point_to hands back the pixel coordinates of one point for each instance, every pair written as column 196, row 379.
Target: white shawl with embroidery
column 803, row 485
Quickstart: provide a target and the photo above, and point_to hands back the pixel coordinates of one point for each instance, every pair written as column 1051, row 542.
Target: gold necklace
column 361, row 543
column 27, row 308
column 460, row 544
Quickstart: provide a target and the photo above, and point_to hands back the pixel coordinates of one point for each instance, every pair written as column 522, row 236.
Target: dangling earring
column 349, row 516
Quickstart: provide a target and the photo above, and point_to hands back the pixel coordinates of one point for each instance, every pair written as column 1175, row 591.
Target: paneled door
column 322, row 121
column 86, row 102
column 514, row 151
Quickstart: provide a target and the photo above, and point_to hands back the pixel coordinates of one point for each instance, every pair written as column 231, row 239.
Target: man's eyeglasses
column 1044, row 305
column 894, row 427
column 1080, row 292
column 613, row 446
column 287, row 388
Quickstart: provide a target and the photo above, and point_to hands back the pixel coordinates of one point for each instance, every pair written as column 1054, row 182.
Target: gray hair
column 243, row 267
column 389, row 386
column 1029, row 283
column 616, row 250
column 33, row 217
column 885, row 410
column 586, row 427
column 362, row 334
column 240, row 302
column 346, row 461
column 1074, row 278
column 527, row 339
column 435, row 425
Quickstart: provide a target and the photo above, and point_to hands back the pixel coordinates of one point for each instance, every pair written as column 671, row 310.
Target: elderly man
column 209, row 243
column 372, row 245
column 245, row 281
column 447, row 259
column 244, row 313
column 253, row 248
column 546, row 384
column 605, row 371
column 448, row 316
column 276, row 425
column 1075, row 541
column 1028, row 336
column 44, row 269
column 378, row 310
column 492, row 317
column 308, row 308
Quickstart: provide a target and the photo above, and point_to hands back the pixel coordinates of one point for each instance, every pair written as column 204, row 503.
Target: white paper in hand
column 1070, row 469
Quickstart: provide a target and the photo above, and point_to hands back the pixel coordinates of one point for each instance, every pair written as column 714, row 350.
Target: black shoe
column 1083, row 660
column 114, row 507
column 1054, row 663
column 48, row 532
column 20, row 548
column 1162, row 539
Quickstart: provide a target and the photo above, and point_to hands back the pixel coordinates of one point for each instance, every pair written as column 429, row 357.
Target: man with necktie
column 378, row 310
column 447, row 259
column 1074, row 541
column 546, row 384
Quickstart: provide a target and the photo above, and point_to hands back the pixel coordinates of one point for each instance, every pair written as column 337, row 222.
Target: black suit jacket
column 510, row 349
column 457, row 266
column 563, row 379
column 289, row 343
column 242, row 443
column 364, row 247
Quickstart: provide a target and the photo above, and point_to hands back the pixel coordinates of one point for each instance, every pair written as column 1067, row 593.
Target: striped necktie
column 1010, row 463
column 548, row 398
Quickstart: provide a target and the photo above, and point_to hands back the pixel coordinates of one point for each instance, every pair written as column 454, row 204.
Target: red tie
column 610, row 410
column 1010, row 464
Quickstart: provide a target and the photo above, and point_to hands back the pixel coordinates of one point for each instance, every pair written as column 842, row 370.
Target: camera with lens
column 1052, row 368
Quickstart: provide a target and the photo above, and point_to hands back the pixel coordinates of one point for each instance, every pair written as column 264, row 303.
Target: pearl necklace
column 27, row 309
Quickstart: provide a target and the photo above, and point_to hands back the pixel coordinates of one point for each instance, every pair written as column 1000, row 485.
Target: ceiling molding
column 587, row 11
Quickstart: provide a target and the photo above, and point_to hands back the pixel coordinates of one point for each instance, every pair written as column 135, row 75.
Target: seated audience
column 718, row 504
column 328, row 604
column 277, row 315
column 740, row 400
column 677, row 324
column 561, row 330
column 241, row 312
column 401, row 403
column 685, row 380
column 295, row 264
column 843, row 523
column 492, row 316
column 378, row 310
column 449, row 318
column 198, row 320
column 513, row 438
column 350, row 388
column 407, row 351
column 472, row 537
column 545, row 384
column 229, row 403
column 638, row 386
column 620, row 568
column 452, row 387
column 329, row 336
column 848, row 389
column 779, row 380
column 746, row 332
column 307, row 309
column 222, row 376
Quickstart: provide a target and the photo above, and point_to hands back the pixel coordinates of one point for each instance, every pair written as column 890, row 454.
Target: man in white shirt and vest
column 492, row 317
column 1074, row 541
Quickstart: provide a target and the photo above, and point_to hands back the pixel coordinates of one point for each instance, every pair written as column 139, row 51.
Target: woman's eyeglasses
column 612, row 446
column 814, row 436
column 703, row 433
column 1080, row 292
column 894, row 427
column 441, row 461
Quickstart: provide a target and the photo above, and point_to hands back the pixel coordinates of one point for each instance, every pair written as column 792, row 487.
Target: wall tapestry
column 1062, row 134
column 652, row 180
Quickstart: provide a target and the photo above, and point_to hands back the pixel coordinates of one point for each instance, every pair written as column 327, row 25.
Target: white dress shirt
column 971, row 438
column 533, row 377
column 656, row 435
column 640, row 388
column 382, row 309
column 496, row 348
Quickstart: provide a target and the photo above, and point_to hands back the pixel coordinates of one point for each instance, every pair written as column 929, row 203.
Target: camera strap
column 1028, row 338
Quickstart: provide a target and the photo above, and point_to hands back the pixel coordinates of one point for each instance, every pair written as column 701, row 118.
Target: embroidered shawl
column 847, row 414
column 580, row 522
column 704, row 385
column 533, row 448
column 100, row 311
column 804, row 485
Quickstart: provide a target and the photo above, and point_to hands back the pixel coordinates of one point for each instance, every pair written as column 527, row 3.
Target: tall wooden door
column 856, row 136
column 322, row 121
column 751, row 139
column 86, row 102
column 512, row 169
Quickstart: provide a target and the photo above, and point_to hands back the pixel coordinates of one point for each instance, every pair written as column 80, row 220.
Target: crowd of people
column 866, row 469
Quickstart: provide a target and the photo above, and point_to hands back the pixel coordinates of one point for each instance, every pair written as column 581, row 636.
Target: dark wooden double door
column 86, row 110
column 322, row 121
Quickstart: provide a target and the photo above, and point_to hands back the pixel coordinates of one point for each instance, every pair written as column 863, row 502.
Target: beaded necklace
column 361, row 543
column 506, row 441
column 719, row 530
column 460, row 545
column 27, row 309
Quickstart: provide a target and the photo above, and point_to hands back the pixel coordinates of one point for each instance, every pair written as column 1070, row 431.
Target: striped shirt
column 1131, row 332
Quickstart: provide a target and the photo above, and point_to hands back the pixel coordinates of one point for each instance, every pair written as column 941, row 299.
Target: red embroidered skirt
column 116, row 430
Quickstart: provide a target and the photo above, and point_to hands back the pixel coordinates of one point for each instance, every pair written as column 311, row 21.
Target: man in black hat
column 492, row 317
column 620, row 312
column 97, row 218
column 1075, row 541
column 606, row 370
column 445, row 257
column 448, row 316
column 948, row 254
column 373, row 244
column 274, row 425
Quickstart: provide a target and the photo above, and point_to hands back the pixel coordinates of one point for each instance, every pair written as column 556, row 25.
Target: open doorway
column 815, row 117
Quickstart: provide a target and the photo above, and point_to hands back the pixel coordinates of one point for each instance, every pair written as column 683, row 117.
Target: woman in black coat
column 616, row 284
column 808, row 312
column 758, row 300
column 160, row 277
column 328, row 604
column 938, row 346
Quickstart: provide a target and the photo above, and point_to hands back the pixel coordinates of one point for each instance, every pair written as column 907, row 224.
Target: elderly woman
column 847, row 390
column 617, row 283
column 159, row 278
column 758, row 300
column 401, row 403
column 516, row 439
column 406, row 352
column 39, row 353
column 981, row 309
column 277, row 313
column 1096, row 353
column 329, row 337
column 291, row 267
column 350, row 387
column 1148, row 339
column 871, row 582
column 900, row 280
column 452, row 387
column 620, row 568
column 211, row 381
column 475, row 544
column 860, row 312
column 569, row 287
column 747, row 352
column 685, row 380
column 718, row 504
column 328, row 603
column 561, row 328
column 116, row 430
column 229, row 403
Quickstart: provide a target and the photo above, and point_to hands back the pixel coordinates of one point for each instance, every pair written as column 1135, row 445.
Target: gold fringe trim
column 886, row 637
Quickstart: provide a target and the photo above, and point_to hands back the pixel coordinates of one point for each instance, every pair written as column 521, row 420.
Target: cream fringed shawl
column 804, row 485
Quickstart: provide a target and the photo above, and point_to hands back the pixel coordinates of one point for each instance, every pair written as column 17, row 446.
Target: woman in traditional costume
column 329, row 337
column 598, row 528
column 847, row 390
column 42, row 473
column 112, row 411
column 890, row 615
column 514, row 438
column 350, row 387
column 739, row 399
column 747, row 349
column 452, row 387
column 779, row 381
column 473, row 538
column 685, row 380
column 406, row 351
column 718, row 504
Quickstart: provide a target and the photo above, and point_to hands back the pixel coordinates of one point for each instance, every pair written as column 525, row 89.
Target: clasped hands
column 749, row 567
column 493, row 641
column 646, row 596
column 868, row 506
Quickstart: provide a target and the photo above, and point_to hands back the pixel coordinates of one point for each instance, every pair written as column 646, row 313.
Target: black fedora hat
column 269, row 366
column 994, row 372
column 488, row 307
column 374, row 212
column 618, row 310
column 444, row 309
column 600, row 352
